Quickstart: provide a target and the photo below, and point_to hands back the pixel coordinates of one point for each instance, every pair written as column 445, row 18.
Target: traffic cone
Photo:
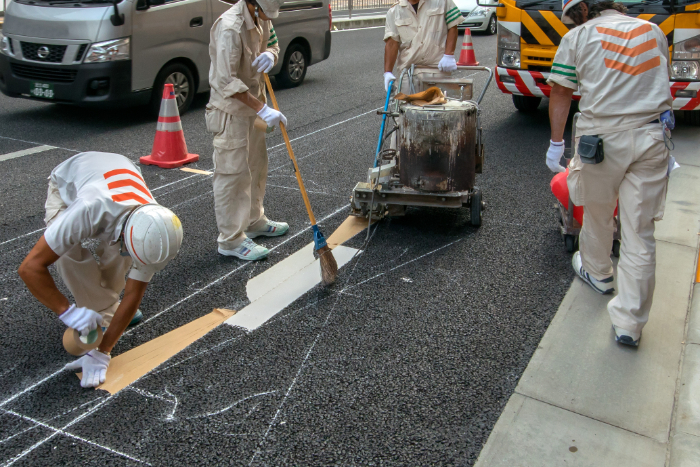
column 466, row 55
column 169, row 147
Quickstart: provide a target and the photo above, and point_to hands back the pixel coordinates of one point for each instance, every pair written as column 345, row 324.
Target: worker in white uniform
column 421, row 33
column 620, row 65
column 243, row 46
column 103, row 197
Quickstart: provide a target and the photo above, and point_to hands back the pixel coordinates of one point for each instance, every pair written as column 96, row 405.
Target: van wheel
column 181, row 78
column 294, row 66
column 526, row 104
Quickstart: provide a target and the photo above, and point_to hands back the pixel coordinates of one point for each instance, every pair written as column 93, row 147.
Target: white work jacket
column 234, row 42
column 421, row 35
column 100, row 190
column 620, row 65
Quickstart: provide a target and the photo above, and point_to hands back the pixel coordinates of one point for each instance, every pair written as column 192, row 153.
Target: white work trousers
column 95, row 284
column 635, row 169
column 240, row 176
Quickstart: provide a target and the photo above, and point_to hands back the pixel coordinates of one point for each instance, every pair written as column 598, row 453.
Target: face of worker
column 261, row 13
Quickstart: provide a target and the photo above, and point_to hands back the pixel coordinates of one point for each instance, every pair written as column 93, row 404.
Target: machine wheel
column 526, row 104
column 570, row 242
column 475, row 209
column 294, row 66
column 616, row 248
column 180, row 76
column 492, row 27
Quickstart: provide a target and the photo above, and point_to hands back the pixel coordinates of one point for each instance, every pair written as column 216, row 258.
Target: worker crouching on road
column 99, row 196
column 620, row 66
column 243, row 46
column 421, row 33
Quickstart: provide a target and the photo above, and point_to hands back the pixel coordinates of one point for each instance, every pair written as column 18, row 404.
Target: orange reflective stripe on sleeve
column 633, row 70
column 630, row 51
column 114, row 172
column 131, row 183
column 128, row 196
column 636, row 32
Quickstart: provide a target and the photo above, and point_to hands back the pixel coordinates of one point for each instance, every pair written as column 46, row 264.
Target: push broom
column 329, row 267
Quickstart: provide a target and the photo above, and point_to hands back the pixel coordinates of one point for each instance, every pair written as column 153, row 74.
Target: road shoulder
column 583, row 399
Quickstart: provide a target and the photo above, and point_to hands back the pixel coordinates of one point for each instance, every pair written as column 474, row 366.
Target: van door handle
column 196, row 22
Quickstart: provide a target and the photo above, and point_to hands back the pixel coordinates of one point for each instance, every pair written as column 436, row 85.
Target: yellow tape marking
column 196, row 171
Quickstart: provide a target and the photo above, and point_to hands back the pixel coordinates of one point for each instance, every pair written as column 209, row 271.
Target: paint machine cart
column 568, row 225
column 431, row 155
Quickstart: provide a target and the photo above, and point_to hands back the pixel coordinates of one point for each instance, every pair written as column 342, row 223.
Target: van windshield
column 66, row 3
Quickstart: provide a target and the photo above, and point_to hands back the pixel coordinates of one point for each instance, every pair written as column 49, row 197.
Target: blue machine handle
column 381, row 131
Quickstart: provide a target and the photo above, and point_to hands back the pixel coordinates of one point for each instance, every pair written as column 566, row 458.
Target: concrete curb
column 358, row 22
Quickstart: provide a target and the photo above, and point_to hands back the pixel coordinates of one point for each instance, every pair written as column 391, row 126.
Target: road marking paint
column 304, row 274
column 196, row 171
column 23, row 235
column 70, row 435
column 359, row 29
column 25, row 152
column 34, row 142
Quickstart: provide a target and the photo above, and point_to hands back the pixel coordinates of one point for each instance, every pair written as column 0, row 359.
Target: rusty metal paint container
column 437, row 146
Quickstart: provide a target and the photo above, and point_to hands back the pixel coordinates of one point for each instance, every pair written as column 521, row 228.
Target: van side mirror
column 155, row 2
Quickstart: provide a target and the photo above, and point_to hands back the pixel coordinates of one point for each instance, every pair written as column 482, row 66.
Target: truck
column 123, row 52
column 529, row 32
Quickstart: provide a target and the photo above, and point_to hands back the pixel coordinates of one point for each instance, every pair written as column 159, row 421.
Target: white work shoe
column 248, row 250
column 602, row 287
column 625, row 337
column 271, row 229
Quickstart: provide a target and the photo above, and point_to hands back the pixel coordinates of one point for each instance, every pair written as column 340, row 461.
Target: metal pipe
column 381, row 131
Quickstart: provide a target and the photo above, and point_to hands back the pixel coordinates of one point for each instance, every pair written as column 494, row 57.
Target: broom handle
column 291, row 153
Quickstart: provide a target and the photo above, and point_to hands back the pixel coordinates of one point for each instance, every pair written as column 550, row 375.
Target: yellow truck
column 529, row 32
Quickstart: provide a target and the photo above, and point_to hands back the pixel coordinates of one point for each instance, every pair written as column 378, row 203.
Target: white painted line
column 280, row 272
column 359, row 29
column 297, row 284
column 25, row 152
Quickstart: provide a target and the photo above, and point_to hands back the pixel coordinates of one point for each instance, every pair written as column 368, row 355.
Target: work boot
column 269, row 229
column 604, row 286
column 625, row 337
column 248, row 250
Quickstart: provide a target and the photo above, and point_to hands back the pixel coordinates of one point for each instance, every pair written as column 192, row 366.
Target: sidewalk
column 359, row 20
column 586, row 401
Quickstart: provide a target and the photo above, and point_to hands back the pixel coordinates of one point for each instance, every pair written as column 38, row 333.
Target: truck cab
column 529, row 32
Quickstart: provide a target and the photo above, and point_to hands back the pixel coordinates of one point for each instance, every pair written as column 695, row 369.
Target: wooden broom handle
column 291, row 153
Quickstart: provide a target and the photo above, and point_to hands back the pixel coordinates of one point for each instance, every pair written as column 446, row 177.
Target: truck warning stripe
column 542, row 27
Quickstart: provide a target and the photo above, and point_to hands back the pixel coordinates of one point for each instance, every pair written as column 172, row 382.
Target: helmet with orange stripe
column 152, row 235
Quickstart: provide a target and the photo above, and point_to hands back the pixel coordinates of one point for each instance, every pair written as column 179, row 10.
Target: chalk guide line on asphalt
column 25, row 152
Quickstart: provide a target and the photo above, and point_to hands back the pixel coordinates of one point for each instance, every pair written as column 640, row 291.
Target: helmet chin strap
column 122, row 249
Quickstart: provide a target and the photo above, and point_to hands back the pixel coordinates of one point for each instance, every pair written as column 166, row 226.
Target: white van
column 122, row 52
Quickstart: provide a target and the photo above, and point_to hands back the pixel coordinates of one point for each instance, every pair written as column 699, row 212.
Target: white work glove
column 82, row 319
column 264, row 62
column 94, row 366
column 388, row 78
column 271, row 116
column 447, row 63
column 554, row 153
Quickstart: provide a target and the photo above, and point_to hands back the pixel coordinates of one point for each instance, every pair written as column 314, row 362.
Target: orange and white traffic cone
column 169, row 147
column 466, row 55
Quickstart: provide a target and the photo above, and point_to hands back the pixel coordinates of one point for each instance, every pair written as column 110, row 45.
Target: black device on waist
column 590, row 149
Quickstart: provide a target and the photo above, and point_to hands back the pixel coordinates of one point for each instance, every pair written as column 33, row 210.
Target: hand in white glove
column 264, row 62
column 388, row 78
column 447, row 63
column 271, row 116
column 94, row 366
column 554, row 153
column 83, row 319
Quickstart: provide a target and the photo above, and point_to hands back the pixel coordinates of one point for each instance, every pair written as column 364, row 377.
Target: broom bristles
column 329, row 267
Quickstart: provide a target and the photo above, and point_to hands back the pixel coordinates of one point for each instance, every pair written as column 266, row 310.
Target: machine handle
column 479, row 68
column 196, row 22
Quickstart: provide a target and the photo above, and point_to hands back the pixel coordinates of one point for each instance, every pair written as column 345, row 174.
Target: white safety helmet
column 566, row 6
column 152, row 235
column 271, row 8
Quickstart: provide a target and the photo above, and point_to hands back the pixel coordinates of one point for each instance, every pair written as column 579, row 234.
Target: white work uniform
column 421, row 34
column 240, row 155
column 620, row 66
column 90, row 196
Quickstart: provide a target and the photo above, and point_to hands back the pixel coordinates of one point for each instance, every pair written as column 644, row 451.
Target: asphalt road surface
column 407, row 360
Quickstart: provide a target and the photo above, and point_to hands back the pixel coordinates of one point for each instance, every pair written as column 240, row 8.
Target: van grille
column 31, row 51
column 52, row 74
column 80, row 53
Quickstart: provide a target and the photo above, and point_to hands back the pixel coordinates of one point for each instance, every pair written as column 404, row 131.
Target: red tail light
column 330, row 17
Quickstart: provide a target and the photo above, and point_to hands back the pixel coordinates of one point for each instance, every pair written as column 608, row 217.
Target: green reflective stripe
column 273, row 36
column 272, row 30
column 567, row 67
column 452, row 16
column 270, row 44
column 563, row 73
column 451, row 10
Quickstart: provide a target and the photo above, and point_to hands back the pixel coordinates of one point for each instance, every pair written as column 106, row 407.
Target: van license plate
column 43, row 90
